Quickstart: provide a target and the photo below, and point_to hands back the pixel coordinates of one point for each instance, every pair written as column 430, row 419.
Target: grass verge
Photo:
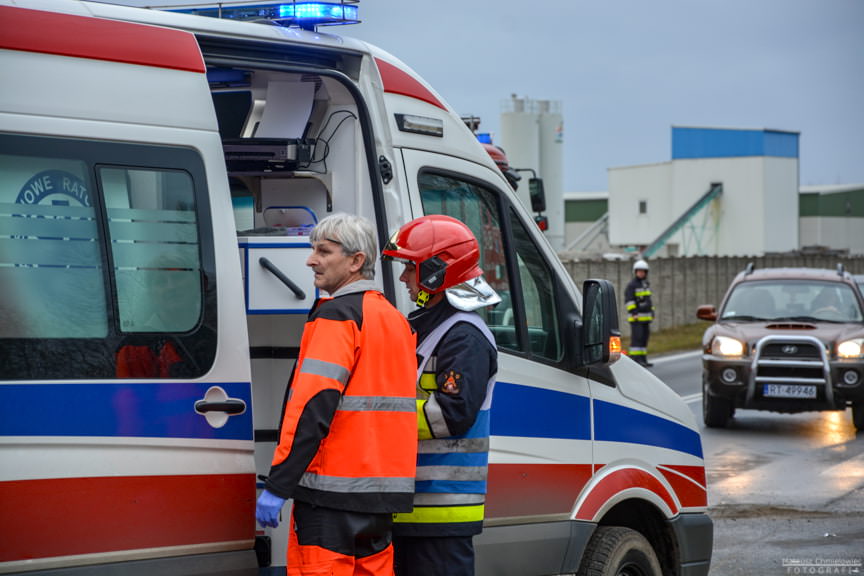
column 679, row 339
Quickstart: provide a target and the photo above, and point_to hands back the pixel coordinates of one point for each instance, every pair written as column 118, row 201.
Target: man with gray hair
column 347, row 442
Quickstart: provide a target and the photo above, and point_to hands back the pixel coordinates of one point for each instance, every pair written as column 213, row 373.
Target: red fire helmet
column 443, row 249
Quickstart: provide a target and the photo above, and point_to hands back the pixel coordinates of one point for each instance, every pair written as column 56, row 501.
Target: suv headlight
column 725, row 346
column 851, row 348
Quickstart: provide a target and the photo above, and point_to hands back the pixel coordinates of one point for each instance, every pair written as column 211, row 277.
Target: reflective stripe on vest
column 325, row 369
column 377, row 403
column 451, row 470
column 348, row 485
column 442, row 515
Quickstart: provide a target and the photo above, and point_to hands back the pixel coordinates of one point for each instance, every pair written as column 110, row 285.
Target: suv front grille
column 790, row 373
column 791, row 350
column 796, row 360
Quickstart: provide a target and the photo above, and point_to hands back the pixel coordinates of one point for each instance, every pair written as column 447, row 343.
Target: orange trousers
column 326, row 542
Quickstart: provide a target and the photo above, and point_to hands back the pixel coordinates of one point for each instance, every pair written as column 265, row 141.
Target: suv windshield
column 803, row 300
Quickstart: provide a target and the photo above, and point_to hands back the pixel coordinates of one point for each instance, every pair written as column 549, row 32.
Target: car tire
column 858, row 416
column 619, row 551
column 716, row 410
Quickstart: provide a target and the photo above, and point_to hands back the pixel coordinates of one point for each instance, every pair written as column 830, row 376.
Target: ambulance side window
column 106, row 261
column 153, row 233
column 526, row 319
column 51, row 270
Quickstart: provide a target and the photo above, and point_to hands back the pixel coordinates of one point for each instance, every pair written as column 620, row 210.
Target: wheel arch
column 634, row 498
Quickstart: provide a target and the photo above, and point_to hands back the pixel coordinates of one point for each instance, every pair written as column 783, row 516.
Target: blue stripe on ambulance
column 614, row 423
column 150, row 409
column 539, row 413
column 530, row 412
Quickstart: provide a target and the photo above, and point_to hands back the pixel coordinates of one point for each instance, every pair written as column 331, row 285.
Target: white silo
column 532, row 135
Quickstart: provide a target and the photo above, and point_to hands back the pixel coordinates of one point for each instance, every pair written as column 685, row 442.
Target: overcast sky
column 626, row 71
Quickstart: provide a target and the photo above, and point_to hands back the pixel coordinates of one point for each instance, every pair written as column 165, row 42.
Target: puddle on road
column 732, row 462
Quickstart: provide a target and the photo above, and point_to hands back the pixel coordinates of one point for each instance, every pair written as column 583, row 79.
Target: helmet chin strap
column 422, row 298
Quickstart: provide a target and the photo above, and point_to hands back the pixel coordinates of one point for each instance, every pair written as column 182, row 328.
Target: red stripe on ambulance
column 98, row 39
column 685, row 481
column 123, row 513
column 526, row 489
column 620, row 481
column 397, row 81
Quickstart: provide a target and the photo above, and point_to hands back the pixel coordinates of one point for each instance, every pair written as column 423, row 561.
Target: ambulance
column 159, row 175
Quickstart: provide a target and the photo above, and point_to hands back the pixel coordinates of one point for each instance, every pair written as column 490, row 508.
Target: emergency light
column 305, row 15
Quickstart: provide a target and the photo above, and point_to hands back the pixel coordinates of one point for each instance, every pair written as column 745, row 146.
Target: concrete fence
column 680, row 285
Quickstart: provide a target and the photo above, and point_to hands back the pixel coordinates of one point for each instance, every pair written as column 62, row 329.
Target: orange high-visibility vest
column 348, row 434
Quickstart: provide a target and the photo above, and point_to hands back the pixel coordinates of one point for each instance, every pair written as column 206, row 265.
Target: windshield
column 803, row 300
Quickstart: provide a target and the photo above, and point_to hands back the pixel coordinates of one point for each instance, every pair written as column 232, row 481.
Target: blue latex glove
column 268, row 509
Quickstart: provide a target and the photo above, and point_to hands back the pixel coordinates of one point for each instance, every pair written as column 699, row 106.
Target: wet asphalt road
column 785, row 491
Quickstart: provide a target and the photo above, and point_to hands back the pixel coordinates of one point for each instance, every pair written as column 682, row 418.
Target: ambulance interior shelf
column 273, row 240
column 273, row 258
column 286, row 206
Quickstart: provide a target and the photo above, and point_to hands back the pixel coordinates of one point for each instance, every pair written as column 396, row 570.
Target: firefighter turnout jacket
column 457, row 363
column 348, row 433
column 637, row 301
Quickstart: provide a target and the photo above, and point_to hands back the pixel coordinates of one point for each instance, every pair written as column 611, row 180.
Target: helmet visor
column 392, row 249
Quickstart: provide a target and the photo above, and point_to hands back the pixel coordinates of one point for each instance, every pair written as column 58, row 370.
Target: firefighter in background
column 457, row 362
column 500, row 158
column 640, row 312
column 346, row 451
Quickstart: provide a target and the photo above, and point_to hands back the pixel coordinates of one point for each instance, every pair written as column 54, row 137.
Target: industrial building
column 725, row 192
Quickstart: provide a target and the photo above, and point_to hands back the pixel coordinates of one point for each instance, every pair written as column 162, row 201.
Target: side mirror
column 707, row 312
column 601, row 336
column 538, row 196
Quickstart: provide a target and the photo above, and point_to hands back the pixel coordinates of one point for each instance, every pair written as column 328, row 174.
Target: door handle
column 217, row 407
column 231, row 406
column 273, row 269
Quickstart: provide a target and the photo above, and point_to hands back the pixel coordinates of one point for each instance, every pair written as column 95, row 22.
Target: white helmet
column 640, row 265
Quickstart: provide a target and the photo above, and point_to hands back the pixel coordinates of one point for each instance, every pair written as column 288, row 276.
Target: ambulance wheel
column 716, row 410
column 618, row 551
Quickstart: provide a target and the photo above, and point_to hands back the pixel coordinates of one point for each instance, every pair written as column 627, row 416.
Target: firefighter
column 346, row 452
column 457, row 363
column 640, row 312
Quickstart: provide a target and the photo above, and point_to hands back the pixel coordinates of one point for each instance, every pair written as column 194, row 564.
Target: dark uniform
column 640, row 313
column 454, row 395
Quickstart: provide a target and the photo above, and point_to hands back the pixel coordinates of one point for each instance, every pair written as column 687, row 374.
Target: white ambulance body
column 159, row 174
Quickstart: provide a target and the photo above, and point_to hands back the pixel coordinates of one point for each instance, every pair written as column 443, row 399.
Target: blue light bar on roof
column 321, row 12
column 305, row 15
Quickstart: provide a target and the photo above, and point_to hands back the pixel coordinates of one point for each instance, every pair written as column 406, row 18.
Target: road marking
column 692, row 398
column 677, row 356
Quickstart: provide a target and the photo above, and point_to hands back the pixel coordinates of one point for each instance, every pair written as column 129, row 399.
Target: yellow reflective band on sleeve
column 441, row 515
column 423, row 430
